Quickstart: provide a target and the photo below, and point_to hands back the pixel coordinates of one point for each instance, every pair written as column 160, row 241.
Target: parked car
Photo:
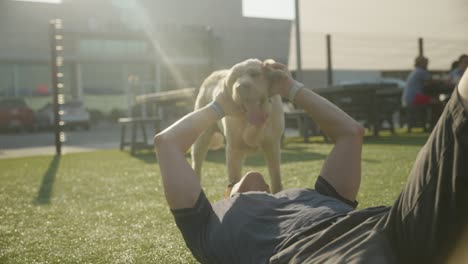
column 16, row 114
column 73, row 114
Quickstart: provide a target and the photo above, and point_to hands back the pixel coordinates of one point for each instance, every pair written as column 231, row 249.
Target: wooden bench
column 135, row 124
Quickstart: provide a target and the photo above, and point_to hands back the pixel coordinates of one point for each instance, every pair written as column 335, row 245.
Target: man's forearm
column 342, row 167
column 185, row 131
column 181, row 185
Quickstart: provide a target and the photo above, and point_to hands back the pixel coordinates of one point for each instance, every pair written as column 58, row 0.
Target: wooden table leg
column 143, row 130
column 133, row 142
column 122, row 136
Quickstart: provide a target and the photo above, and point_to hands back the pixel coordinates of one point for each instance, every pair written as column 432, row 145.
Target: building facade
column 122, row 48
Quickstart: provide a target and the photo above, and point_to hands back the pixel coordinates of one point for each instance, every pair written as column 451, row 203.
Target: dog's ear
column 234, row 73
column 273, row 75
column 231, row 79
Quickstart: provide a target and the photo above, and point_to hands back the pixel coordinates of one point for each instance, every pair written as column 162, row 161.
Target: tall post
column 56, row 62
column 77, row 88
column 210, row 39
column 157, row 74
column 421, row 46
column 127, row 80
column 329, row 62
column 298, row 43
column 15, row 81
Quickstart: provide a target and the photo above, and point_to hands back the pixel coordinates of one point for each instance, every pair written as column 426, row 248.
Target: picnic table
column 303, row 122
column 156, row 109
column 167, row 105
column 368, row 102
column 136, row 124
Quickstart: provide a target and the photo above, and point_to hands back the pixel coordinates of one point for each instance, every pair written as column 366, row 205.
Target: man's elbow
column 160, row 140
column 356, row 131
column 360, row 131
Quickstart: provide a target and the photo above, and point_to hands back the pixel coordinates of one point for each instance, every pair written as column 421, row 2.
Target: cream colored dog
column 259, row 127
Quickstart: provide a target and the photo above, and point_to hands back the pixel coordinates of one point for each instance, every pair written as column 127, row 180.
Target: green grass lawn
column 109, row 207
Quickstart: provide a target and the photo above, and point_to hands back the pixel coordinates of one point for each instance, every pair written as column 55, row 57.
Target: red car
column 15, row 114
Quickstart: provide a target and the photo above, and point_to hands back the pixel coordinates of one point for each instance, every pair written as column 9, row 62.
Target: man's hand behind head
column 281, row 78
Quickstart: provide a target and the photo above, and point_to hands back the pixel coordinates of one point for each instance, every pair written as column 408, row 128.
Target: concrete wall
column 228, row 38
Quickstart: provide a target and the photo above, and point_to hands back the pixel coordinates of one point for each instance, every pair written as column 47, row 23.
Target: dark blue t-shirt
column 256, row 227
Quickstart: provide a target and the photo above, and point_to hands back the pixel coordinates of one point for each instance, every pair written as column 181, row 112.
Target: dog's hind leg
column 272, row 154
column 200, row 148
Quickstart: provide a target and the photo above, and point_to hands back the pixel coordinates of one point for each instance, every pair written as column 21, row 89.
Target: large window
column 115, row 78
column 41, row 1
column 112, row 47
column 30, row 79
column 6, row 80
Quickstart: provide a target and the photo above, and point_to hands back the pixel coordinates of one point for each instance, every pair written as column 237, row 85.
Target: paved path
column 42, row 143
column 100, row 137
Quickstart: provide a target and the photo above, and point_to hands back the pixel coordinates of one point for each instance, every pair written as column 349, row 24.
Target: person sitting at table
column 456, row 73
column 414, row 98
column 413, row 93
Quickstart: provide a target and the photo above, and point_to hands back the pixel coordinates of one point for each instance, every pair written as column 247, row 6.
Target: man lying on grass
column 322, row 225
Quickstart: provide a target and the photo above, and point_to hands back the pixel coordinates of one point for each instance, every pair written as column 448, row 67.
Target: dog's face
column 249, row 84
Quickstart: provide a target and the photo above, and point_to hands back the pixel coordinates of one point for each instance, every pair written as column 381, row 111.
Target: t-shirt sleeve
column 192, row 223
column 325, row 188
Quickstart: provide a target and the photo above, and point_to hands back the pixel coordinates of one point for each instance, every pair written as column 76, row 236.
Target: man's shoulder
column 420, row 71
column 423, row 72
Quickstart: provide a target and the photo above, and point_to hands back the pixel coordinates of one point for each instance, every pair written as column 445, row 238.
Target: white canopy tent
column 380, row 35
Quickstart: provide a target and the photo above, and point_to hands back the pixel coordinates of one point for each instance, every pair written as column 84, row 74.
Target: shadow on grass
column 290, row 154
column 371, row 160
column 416, row 139
column 147, row 156
column 45, row 191
column 295, row 150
